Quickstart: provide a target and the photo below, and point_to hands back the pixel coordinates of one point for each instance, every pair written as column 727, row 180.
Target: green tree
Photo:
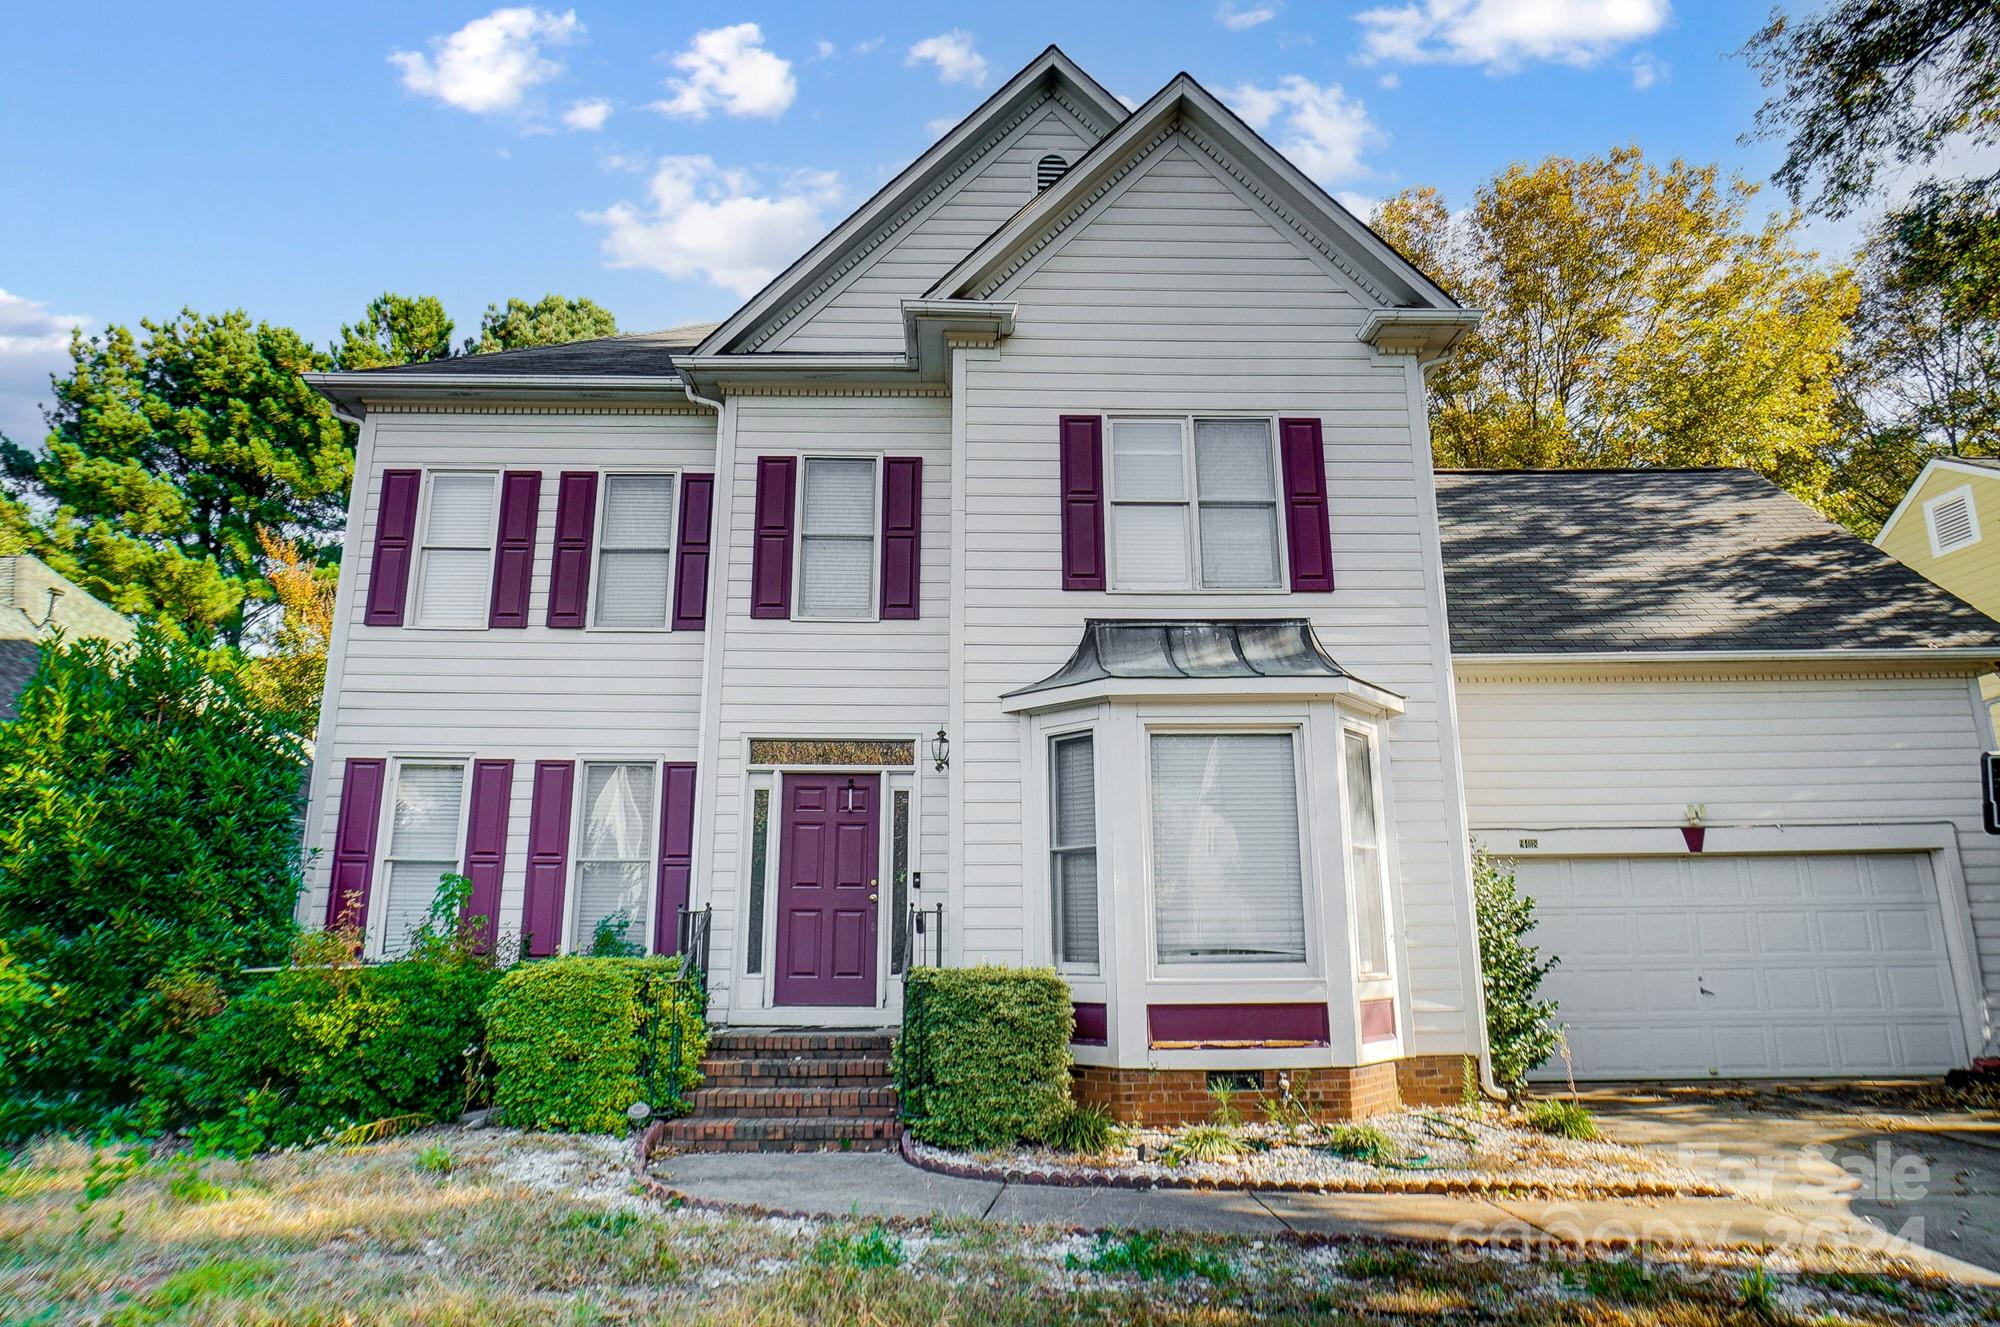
column 551, row 320
column 395, row 329
column 1634, row 316
column 1521, row 1028
column 148, row 852
column 168, row 452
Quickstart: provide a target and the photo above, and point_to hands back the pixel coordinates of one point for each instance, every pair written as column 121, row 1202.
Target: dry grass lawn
column 497, row 1228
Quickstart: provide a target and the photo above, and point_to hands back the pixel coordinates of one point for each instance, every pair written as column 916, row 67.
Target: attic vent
column 1953, row 522
column 1048, row 170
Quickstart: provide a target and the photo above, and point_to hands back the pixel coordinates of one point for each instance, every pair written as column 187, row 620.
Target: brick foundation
column 1181, row 1096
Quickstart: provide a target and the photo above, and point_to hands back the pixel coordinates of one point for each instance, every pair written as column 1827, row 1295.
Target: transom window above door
column 1194, row 505
column 837, row 538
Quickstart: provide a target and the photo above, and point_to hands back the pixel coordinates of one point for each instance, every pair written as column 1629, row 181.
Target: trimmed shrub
column 575, row 1041
column 1521, row 1028
column 984, row 1057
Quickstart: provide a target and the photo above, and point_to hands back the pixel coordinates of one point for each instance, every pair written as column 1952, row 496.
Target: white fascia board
column 351, row 393
column 1248, row 690
column 1426, row 333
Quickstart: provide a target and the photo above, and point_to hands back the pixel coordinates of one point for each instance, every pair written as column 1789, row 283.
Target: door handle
column 871, row 898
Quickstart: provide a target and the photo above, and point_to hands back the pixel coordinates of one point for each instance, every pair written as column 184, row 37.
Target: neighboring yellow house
column 1947, row 529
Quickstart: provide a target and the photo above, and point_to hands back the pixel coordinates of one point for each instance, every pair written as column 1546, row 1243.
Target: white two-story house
column 1048, row 568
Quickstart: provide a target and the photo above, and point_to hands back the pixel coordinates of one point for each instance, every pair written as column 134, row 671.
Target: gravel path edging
column 1099, row 1179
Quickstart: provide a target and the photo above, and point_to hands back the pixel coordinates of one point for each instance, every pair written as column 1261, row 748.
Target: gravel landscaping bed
column 1434, row 1151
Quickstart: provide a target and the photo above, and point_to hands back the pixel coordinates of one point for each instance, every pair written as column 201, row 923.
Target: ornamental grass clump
column 1084, row 1129
column 1563, row 1119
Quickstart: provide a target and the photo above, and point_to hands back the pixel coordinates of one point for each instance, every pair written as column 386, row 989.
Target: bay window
column 425, row 844
column 455, row 558
column 635, row 552
column 837, row 531
column 1364, row 853
column 1073, row 850
column 614, row 859
column 1194, row 505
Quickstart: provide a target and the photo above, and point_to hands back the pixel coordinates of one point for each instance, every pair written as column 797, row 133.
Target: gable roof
column 1050, row 74
column 1718, row 562
column 1979, row 467
column 1294, row 197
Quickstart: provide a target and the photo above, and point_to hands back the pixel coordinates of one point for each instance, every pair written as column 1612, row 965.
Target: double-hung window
column 1364, row 855
column 635, row 552
column 425, row 843
column 455, row 565
column 1073, row 850
column 1228, row 871
column 837, row 534
column 614, row 859
column 1194, row 505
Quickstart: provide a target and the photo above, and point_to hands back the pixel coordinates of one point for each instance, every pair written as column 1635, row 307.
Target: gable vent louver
column 1953, row 523
column 1048, row 170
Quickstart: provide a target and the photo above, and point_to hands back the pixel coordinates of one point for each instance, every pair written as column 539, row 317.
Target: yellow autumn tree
column 289, row 675
column 1635, row 316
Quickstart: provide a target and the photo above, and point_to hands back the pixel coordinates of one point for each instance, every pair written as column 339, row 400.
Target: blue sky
column 662, row 159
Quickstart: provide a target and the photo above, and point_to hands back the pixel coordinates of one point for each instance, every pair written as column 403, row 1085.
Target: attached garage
column 1750, row 965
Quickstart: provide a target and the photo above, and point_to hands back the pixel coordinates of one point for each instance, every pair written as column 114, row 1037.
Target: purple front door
column 827, row 889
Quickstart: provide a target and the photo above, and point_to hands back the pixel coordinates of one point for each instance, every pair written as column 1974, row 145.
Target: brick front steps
column 791, row 1092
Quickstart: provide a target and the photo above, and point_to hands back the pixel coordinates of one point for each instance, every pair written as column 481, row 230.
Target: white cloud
column 869, row 47
column 729, row 68
column 1504, row 34
column 490, row 63
column 942, row 125
column 588, row 115
column 953, row 54
column 33, row 344
column 1646, row 71
column 1391, row 80
column 824, row 50
column 699, row 220
column 1322, row 129
column 1361, row 205
column 1236, row 15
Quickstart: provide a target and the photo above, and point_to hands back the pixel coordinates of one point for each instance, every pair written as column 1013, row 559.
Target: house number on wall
column 1530, row 843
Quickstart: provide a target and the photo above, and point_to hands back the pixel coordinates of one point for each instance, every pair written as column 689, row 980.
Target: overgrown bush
column 1521, row 1028
column 147, row 852
column 575, row 1041
column 984, row 1057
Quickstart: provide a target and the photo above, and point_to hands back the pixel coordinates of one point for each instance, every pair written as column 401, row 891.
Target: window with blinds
column 1228, row 879
column 837, row 538
column 614, row 858
column 455, row 566
column 425, row 843
column 635, row 552
column 1073, row 850
column 1194, row 505
column 1364, row 856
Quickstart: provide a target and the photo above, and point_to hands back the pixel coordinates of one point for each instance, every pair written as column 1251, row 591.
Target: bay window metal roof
column 1193, row 650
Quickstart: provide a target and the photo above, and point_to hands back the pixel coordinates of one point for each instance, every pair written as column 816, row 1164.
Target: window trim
column 572, row 867
column 805, row 460
column 421, row 546
column 596, row 602
column 1295, row 726
column 375, row 932
column 1372, row 737
column 1050, row 739
column 1191, row 504
column 1964, row 491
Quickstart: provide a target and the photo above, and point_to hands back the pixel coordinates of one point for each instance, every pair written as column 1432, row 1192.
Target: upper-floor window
column 1194, row 505
column 1952, row 520
column 455, row 561
column 837, row 536
column 614, row 857
column 425, row 844
column 635, row 551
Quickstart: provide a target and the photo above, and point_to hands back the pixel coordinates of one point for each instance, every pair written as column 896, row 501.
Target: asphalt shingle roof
column 636, row 354
column 1584, row 561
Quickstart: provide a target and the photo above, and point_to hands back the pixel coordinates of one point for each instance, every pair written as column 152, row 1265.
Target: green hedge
column 311, row 1051
column 575, row 1041
column 984, row 1057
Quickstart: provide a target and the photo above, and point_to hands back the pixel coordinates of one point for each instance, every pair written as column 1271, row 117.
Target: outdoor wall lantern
column 941, row 750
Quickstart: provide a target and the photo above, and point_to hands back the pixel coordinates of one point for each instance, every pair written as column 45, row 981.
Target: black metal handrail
column 923, row 939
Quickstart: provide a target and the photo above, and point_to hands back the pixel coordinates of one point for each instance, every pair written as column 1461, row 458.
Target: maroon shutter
column 548, row 857
column 1082, row 462
column 569, row 567
column 771, row 553
column 902, row 532
column 395, row 537
column 1308, row 533
column 486, row 843
column 691, row 552
column 354, row 841
column 676, row 854
column 514, row 551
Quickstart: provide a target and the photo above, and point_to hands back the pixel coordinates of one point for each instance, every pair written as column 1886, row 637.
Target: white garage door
column 1679, row 967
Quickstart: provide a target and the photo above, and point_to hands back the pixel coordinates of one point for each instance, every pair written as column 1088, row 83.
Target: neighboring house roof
column 17, row 664
column 34, row 599
column 1575, row 562
column 646, row 354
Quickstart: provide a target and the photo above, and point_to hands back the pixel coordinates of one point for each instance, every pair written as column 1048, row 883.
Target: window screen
column 1212, row 525
column 457, row 557
column 614, row 858
column 837, row 539
column 1073, row 844
column 1364, row 850
column 1227, row 880
column 1149, row 502
column 635, row 551
column 1239, row 504
column 425, row 843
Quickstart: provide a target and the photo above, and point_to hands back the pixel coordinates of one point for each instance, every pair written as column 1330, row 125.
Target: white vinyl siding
column 837, row 535
column 1073, row 850
column 425, row 843
column 1194, row 505
column 1364, row 856
column 614, row 850
column 1228, row 882
column 455, row 567
column 635, row 552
